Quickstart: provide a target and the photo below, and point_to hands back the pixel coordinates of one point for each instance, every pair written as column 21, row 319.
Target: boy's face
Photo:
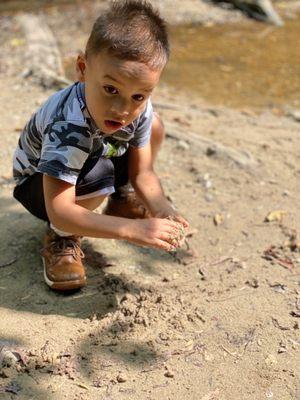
column 116, row 90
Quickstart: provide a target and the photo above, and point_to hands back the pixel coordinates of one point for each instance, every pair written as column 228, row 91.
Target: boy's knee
column 158, row 130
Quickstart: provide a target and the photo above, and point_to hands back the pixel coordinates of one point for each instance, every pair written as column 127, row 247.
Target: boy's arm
column 68, row 216
column 147, row 185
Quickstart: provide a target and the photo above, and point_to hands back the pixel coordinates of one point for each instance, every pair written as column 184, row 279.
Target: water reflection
column 237, row 65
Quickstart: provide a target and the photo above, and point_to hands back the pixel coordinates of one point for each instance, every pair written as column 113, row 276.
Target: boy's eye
column 138, row 97
column 110, row 89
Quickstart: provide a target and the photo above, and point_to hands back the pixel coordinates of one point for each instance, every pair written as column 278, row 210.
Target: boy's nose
column 120, row 109
column 119, row 114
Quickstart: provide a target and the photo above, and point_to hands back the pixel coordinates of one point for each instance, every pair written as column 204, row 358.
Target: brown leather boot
column 63, row 269
column 126, row 205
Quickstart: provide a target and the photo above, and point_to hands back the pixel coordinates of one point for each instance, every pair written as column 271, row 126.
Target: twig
column 217, row 262
column 229, row 352
column 232, row 297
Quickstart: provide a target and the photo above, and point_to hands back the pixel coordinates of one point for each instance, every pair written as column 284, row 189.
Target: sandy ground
column 218, row 320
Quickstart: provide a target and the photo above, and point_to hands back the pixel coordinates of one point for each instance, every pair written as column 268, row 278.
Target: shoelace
column 62, row 246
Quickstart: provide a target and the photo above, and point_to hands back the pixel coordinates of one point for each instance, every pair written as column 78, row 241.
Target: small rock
column 54, row 358
column 241, row 264
column 253, row 282
column 208, row 197
column 207, row 184
column 282, row 349
column 295, row 313
column 169, row 373
column 182, row 144
column 159, row 299
column 210, row 151
column 26, row 73
column 121, row 378
column 202, row 274
column 164, row 336
column 276, row 215
column 269, row 394
column 295, row 114
column 278, row 287
column 7, row 358
column 218, row 219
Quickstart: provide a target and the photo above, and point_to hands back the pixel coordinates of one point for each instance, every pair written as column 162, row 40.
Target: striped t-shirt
column 61, row 135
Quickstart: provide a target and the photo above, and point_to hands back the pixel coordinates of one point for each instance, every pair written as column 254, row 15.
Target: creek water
column 248, row 64
column 237, row 65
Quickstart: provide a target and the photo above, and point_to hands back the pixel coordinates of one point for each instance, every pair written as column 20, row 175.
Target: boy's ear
column 81, row 67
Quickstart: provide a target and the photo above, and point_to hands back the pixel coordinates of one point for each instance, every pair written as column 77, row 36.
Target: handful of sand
column 177, row 238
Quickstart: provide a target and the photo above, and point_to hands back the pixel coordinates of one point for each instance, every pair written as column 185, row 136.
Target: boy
column 88, row 140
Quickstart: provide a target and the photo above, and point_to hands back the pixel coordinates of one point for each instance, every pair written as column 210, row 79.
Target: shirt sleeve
column 143, row 130
column 65, row 148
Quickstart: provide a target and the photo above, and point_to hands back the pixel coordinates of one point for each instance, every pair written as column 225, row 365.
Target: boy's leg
column 95, row 182
column 124, row 202
column 62, row 254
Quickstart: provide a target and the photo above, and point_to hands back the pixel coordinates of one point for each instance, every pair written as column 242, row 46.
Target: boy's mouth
column 111, row 124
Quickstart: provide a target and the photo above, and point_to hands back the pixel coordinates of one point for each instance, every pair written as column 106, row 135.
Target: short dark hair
column 131, row 30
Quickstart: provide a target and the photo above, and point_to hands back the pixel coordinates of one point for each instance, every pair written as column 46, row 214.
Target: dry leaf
column 16, row 42
column 276, row 215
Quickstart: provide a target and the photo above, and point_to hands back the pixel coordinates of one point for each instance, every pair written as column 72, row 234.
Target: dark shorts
column 99, row 175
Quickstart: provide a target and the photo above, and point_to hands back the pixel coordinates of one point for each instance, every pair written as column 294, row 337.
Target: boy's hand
column 170, row 213
column 161, row 233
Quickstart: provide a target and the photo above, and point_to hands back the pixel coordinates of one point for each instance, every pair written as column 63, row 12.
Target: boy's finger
column 180, row 219
column 161, row 244
column 170, row 224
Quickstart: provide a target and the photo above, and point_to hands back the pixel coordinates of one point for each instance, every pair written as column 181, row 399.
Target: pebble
column 278, row 287
column 169, row 373
column 8, row 359
column 269, row 394
column 295, row 114
column 253, row 282
column 121, row 378
column 183, row 145
column 208, row 197
column 282, row 349
column 218, row 219
column 207, row 184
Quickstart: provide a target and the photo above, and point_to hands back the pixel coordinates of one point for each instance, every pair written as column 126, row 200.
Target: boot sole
column 63, row 286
